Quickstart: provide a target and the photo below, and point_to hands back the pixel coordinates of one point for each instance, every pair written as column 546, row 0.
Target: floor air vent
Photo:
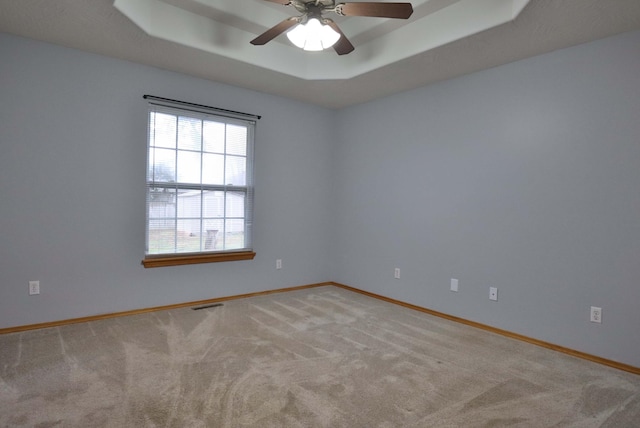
column 214, row 305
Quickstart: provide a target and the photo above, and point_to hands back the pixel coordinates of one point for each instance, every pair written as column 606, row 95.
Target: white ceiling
column 210, row 39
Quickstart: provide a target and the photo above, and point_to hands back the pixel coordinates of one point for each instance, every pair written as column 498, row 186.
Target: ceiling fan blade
column 284, row 2
column 274, row 32
column 343, row 46
column 378, row 10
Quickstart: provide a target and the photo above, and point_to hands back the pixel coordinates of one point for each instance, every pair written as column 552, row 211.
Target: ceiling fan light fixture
column 313, row 36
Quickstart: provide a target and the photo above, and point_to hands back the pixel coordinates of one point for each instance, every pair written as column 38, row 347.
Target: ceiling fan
column 312, row 20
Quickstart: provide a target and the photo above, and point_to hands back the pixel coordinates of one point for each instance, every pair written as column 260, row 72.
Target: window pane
column 213, row 133
column 213, row 169
column 237, row 140
column 162, row 237
column 188, row 236
column 235, row 204
column 234, row 234
column 214, row 232
column 236, row 171
column 189, row 204
column 213, row 204
column 163, row 165
column 163, row 130
column 161, row 203
column 188, row 167
column 189, row 133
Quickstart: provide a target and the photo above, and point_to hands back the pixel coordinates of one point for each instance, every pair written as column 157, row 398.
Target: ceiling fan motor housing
column 314, row 9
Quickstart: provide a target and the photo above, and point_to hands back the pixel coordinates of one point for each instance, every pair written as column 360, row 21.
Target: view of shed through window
column 199, row 183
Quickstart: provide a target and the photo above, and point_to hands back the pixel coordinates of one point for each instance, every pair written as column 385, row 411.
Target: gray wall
column 72, row 187
column 524, row 177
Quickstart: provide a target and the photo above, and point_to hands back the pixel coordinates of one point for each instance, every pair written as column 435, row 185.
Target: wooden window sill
column 191, row 259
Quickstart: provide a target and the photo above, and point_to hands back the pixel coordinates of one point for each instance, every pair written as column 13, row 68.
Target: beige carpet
column 322, row 357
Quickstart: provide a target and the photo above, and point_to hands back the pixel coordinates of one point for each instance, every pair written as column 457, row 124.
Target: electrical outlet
column 454, row 284
column 34, row 287
column 279, row 264
column 596, row 314
column 493, row 293
column 396, row 273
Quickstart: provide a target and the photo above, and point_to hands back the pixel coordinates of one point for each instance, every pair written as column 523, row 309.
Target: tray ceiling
column 210, row 39
column 224, row 27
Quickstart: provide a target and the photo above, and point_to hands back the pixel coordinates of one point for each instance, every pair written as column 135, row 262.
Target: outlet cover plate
column 493, row 293
column 34, row 287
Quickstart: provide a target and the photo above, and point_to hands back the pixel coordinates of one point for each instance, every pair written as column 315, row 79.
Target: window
column 199, row 184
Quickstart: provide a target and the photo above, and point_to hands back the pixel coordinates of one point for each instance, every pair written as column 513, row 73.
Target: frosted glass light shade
column 313, row 36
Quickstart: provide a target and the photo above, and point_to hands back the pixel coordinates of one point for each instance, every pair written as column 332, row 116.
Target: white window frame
column 208, row 249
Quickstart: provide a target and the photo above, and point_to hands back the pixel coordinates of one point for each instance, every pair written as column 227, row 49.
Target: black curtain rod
column 184, row 103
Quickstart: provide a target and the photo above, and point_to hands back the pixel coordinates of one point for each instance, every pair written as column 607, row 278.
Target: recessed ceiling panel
column 224, row 28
